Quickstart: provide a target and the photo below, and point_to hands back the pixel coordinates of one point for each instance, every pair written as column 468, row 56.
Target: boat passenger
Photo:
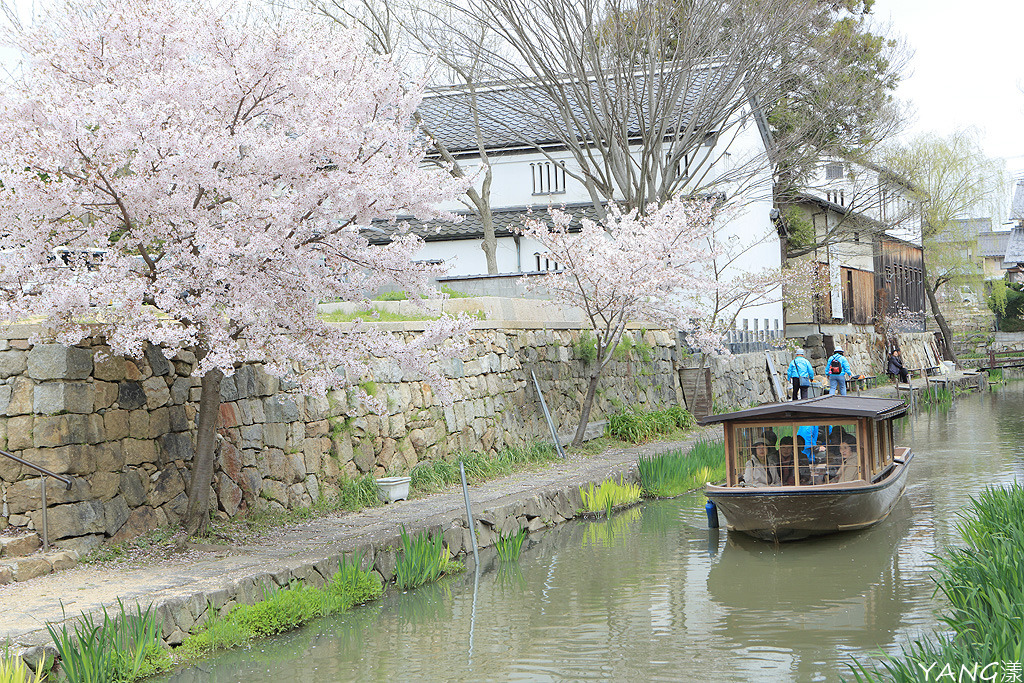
column 787, row 475
column 757, row 471
column 849, row 470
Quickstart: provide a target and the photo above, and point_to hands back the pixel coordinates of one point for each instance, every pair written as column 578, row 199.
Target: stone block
column 229, row 460
column 229, row 494
column 132, row 488
column 285, row 467
column 246, row 385
column 22, row 393
column 228, row 416
column 50, row 398
column 176, row 508
column 179, row 390
column 73, row 519
column 104, row 395
column 30, row 568
column 159, row 422
column 275, row 490
column 107, row 367
column 56, row 361
column 17, row 546
column 384, row 562
column 266, row 384
column 312, row 486
column 105, row 485
column 12, row 363
column 228, row 390
column 131, row 395
column 138, row 424
column 297, row 496
column 5, row 398
column 59, row 430
column 157, row 393
column 139, row 451
column 251, row 482
column 19, row 432
column 278, row 409
column 158, row 362
column 65, row 559
column 115, row 514
column 177, row 421
column 24, row 496
column 140, row 520
column 116, row 424
column 166, row 486
column 176, row 446
column 275, row 435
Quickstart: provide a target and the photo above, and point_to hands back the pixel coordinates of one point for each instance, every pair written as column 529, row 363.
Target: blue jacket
column 800, row 367
column 842, row 361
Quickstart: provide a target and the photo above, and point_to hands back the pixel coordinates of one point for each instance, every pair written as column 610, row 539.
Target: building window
column 548, row 177
column 833, row 171
column 544, row 263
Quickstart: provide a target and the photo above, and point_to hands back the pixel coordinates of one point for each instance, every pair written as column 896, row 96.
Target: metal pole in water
column 469, row 514
column 712, row 510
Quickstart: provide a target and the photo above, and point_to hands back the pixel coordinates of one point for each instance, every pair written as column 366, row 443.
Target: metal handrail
column 44, row 473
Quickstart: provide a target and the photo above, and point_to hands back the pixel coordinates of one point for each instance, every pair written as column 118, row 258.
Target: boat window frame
column 731, row 438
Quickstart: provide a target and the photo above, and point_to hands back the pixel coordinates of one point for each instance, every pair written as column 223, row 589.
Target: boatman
column 838, row 369
column 801, row 372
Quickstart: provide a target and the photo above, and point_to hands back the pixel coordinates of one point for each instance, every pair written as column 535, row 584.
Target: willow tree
column 955, row 179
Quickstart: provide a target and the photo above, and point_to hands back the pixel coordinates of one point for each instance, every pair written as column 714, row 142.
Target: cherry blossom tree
column 205, row 177
column 630, row 268
column 671, row 266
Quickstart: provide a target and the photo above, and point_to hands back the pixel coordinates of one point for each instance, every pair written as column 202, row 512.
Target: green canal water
column 653, row 595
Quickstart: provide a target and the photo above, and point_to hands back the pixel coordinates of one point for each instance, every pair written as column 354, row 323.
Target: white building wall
column 748, row 224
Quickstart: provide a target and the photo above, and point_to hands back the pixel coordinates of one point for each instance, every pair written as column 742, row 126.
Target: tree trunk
column 588, row 403
column 198, row 516
column 490, row 243
column 947, row 334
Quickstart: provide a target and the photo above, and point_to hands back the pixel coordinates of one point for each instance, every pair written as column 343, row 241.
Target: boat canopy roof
column 823, row 406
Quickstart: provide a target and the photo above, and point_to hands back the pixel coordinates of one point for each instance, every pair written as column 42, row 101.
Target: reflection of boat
column 826, row 570
column 850, row 474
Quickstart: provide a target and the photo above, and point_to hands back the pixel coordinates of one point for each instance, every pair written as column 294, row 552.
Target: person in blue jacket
column 837, row 380
column 801, row 373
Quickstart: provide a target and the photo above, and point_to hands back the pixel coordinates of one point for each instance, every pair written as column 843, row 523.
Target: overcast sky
column 967, row 69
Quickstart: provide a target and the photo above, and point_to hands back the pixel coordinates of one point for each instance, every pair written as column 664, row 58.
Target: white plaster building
column 530, row 171
column 865, row 223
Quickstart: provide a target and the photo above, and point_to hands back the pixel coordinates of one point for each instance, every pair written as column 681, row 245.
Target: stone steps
column 29, row 566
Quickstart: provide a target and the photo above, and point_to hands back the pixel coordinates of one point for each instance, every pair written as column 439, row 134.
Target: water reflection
column 654, row 595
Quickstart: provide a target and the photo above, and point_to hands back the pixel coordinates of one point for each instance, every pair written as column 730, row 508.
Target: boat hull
column 790, row 514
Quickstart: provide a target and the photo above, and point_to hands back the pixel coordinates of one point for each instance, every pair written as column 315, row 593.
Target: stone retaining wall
column 182, row 615
column 123, row 429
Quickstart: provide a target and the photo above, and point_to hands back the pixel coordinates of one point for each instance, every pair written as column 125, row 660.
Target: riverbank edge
column 496, row 512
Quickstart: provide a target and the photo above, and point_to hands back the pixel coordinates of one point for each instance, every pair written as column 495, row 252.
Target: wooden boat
column 810, row 467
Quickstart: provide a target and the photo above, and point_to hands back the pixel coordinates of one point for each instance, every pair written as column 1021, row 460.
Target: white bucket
column 391, row 489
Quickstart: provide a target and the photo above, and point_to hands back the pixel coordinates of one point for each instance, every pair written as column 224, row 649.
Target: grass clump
column 283, row 610
column 373, row 316
column 984, row 587
column 584, row 349
column 609, row 495
column 937, row 398
column 14, row 670
column 674, row 472
column 437, row 475
column 424, row 558
column 509, row 547
column 122, row 647
column 637, row 426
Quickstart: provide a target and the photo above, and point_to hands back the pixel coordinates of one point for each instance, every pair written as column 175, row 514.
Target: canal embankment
column 184, row 587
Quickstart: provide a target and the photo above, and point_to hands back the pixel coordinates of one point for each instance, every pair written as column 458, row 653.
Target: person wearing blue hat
column 800, row 373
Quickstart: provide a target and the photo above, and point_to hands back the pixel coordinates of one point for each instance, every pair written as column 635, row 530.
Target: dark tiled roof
column 1017, row 205
column 1014, row 248
column 522, row 116
column 505, row 222
column 965, row 229
column 823, row 406
column 993, row 244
